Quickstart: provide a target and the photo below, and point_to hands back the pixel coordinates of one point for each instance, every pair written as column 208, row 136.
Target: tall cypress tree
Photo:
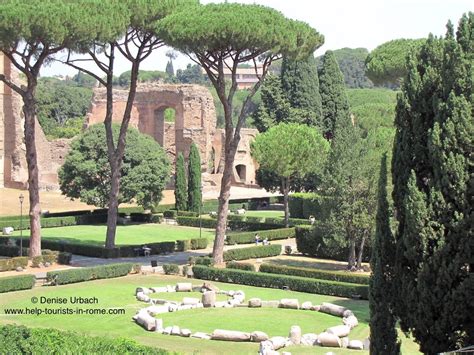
column 335, row 105
column 383, row 334
column 299, row 80
column 180, row 188
column 433, row 188
column 194, row 179
column 169, row 68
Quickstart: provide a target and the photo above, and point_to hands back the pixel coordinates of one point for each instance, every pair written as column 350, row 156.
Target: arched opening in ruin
column 241, row 172
column 165, row 128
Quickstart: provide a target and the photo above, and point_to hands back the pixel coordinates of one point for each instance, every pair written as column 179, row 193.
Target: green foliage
column 13, row 263
column 304, row 205
column 64, row 258
column 199, row 243
column 183, row 245
column 351, row 61
column 86, row 170
column 433, row 188
column 360, row 97
column 171, row 269
column 201, row 260
column 387, row 62
column 261, row 251
column 170, row 214
column 17, row 224
column 144, row 76
column 314, row 274
column 89, row 273
column 62, row 106
column 294, row 283
column 239, row 266
column 180, row 189
column 194, row 180
column 249, row 237
column 15, row 283
column 382, row 320
column 169, row 68
column 84, row 80
column 193, row 74
column 22, row 340
column 335, row 107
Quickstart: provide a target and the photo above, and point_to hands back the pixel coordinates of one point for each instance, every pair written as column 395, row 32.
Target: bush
column 194, row 222
column 156, row 218
column 140, row 217
column 234, row 223
column 201, row 260
column 170, row 214
column 36, row 261
column 89, row 273
column 183, row 245
column 17, row 339
column 295, row 205
column 251, row 219
column 64, row 258
column 262, row 251
column 236, row 217
column 240, row 266
column 13, row 263
column 45, row 222
column 171, row 269
column 315, row 274
column 9, row 250
column 249, row 237
column 6, row 265
column 199, row 243
column 303, row 205
column 188, row 214
column 294, row 283
column 15, row 283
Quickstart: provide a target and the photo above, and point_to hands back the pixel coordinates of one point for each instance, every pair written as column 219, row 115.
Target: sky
column 344, row 23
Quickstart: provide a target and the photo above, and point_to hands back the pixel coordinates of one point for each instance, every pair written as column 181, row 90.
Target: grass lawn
column 268, row 214
column 132, row 234
column 120, row 293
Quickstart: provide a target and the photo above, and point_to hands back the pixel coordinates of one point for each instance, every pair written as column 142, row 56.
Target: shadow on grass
column 359, row 307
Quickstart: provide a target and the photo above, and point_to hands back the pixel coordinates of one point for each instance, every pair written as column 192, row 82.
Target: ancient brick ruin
column 195, row 121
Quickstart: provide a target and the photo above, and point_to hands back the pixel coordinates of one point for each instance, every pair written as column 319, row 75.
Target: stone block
column 209, row 298
column 255, row 302
column 291, row 303
column 339, row 330
column 184, row 287
column 333, row 309
column 230, row 335
column 295, row 334
column 330, row 340
column 258, row 336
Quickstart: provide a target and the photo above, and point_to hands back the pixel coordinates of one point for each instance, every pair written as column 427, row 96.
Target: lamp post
column 200, row 224
column 21, row 198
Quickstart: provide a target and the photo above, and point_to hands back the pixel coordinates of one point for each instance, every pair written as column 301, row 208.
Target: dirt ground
column 34, row 270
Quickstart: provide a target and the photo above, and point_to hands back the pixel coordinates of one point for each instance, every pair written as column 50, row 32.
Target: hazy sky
column 344, row 23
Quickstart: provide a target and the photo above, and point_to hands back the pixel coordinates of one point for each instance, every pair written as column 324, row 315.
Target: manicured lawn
column 133, row 234
column 120, row 293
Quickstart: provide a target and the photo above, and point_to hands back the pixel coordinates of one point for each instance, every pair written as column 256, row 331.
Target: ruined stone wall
column 13, row 167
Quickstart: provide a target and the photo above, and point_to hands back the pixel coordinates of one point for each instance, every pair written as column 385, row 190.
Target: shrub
column 171, row 269
column 140, row 217
column 20, row 261
column 188, row 214
column 294, row 283
column 9, row 250
column 199, row 243
column 295, row 205
column 36, row 261
column 185, row 270
column 17, row 339
column 249, row 237
column 236, row 217
column 262, row 251
column 170, row 214
column 201, row 260
column 303, row 205
column 45, row 222
column 183, row 245
column 89, row 273
column 156, row 218
column 64, row 258
column 194, row 222
column 251, row 219
column 240, row 266
column 5, row 265
column 315, row 274
column 15, row 283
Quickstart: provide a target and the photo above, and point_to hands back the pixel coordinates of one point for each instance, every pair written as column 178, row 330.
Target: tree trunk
column 112, row 213
column 218, row 249
column 352, row 255
column 361, row 251
column 286, row 191
column 29, row 110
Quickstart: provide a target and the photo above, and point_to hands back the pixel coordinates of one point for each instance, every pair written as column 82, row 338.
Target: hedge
column 240, row 266
column 13, row 263
column 261, row 251
column 171, row 269
column 188, row 214
column 194, row 222
column 303, row 205
column 235, row 224
column 15, row 283
column 199, row 243
column 201, row 260
column 89, row 273
column 183, row 245
column 45, row 222
column 170, row 214
column 314, row 274
column 271, row 234
column 18, row 339
column 294, row 283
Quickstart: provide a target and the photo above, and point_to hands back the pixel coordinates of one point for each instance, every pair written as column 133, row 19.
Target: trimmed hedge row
column 89, row 273
column 305, row 204
column 17, row 339
column 240, row 266
column 240, row 225
column 45, row 222
column 13, row 263
column 294, row 283
column 314, row 274
column 262, row 251
column 271, row 234
column 15, row 283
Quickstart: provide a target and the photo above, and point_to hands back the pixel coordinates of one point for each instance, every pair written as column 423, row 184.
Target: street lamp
column 200, row 224
column 21, row 198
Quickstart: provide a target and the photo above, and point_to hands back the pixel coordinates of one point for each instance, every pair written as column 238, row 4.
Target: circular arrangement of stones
column 337, row 336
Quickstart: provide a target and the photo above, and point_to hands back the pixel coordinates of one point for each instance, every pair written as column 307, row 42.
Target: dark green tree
column 180, row 186
column 335, row 106
column 383, row 334
column 169, row 68
column 194, row 179
column 432, row 171
column 300, row 83
column 219, row 36
column 387, row 64
column 84, row 80
column 85, row 173
column 192, row 75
